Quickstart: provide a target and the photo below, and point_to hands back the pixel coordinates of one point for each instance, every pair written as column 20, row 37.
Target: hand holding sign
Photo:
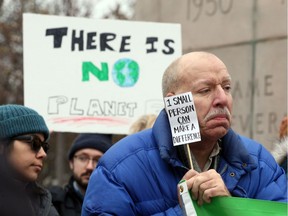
column 205, row 185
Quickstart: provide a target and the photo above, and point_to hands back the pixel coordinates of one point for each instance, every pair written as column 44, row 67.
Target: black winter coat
column 19, row 199
column 66, row 201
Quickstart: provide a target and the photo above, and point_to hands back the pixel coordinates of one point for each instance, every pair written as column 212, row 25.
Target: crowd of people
column 142, row 171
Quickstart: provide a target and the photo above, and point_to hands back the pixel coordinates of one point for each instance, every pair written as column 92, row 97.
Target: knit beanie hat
column 101, row 142
column 17, row 120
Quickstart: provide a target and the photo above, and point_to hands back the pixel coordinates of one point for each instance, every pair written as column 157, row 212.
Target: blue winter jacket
column 140, row 173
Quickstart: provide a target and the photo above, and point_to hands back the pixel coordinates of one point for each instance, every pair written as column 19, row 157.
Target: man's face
column 210, row 83
column 83, row 163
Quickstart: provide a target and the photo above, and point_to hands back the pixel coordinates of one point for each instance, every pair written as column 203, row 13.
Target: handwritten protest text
column 105, row 41
column 57, row 105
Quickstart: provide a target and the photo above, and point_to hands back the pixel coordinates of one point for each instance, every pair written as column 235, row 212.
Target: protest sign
column 236, row 206
column 185, row 199
column 182, row 118
column 230, row 206
column 88, row 75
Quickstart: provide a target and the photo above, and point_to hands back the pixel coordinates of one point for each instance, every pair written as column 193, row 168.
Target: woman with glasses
column 23, row 139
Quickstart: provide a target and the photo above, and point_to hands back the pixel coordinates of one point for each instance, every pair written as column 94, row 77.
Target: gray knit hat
column 18, row 120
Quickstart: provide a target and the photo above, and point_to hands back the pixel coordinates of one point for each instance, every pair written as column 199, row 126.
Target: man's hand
column 205, row 185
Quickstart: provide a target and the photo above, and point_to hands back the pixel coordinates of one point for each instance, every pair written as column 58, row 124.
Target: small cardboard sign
column 183, row 118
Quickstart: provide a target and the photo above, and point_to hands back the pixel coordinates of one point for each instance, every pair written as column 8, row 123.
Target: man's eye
column 205, row 90
column 227, row 88
column 83, row 158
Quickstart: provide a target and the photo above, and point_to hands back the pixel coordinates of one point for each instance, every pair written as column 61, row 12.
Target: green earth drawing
column 125, row 72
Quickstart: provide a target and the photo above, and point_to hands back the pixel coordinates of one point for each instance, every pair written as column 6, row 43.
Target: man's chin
column 216, row 132
column 85, row 180
column 83, row 183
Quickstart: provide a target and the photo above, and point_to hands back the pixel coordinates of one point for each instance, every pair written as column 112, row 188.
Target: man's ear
column 71, row 164
column 170, row 94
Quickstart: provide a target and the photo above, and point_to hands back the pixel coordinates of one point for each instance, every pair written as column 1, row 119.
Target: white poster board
column 183, row 120
column 88, row 75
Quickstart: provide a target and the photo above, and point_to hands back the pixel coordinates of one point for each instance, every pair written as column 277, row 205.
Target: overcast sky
column 101, row 8
column 104, row 6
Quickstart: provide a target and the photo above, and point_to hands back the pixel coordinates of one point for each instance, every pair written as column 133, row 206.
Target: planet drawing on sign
column 125, row 72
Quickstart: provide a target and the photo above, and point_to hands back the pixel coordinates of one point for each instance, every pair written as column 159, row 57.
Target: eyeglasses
column 34, row 142
column 84, row 159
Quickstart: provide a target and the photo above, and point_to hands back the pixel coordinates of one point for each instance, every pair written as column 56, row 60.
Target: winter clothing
column 24, row 199
column 41, row 201
column 19, row 197
column 141, row 173
column 101, row 142
column 280, row 148
column 67, row 201
column 280, row 152
column 17, row 120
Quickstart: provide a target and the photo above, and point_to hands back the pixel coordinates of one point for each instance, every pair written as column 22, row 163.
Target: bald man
column 141, row 171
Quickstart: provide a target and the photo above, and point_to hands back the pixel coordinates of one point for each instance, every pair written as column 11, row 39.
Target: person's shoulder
column 250, row 143
column 234, row 137
column 138, row 143
column 259, row 152
column 251, row 146
column 133, row 143
column 57, row 193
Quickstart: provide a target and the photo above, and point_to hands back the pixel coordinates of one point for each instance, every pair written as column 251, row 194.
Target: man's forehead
column 89, row 151
column 206, row 71
column 212, row 79
column 202, row 64
column 209, row 77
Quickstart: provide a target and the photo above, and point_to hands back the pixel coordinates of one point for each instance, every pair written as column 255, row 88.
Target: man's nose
column 91, row 164
column 220, row 97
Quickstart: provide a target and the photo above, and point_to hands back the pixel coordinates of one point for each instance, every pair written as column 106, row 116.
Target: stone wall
column 250, row 36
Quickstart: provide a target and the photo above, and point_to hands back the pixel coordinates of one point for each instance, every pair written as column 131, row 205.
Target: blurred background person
column 144, row 122
column 24, row 147
column 280, row 147
column 83, row 157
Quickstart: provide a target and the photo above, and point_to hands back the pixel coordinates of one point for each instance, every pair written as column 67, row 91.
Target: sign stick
column 189, row 156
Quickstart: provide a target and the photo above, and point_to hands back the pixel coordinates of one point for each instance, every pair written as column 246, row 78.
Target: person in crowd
column 144, row 122
column 280, row 149
column 23, row 148
column 142, row 171
column 84, row 154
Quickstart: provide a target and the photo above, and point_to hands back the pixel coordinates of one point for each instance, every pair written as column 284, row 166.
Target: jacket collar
column 233, row 149
column 235, row 153
column 162, row 134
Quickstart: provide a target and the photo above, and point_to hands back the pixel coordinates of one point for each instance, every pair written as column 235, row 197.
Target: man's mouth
column 86, row 175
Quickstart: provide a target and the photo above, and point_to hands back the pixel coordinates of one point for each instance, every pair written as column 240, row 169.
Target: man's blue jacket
column 140, row 173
